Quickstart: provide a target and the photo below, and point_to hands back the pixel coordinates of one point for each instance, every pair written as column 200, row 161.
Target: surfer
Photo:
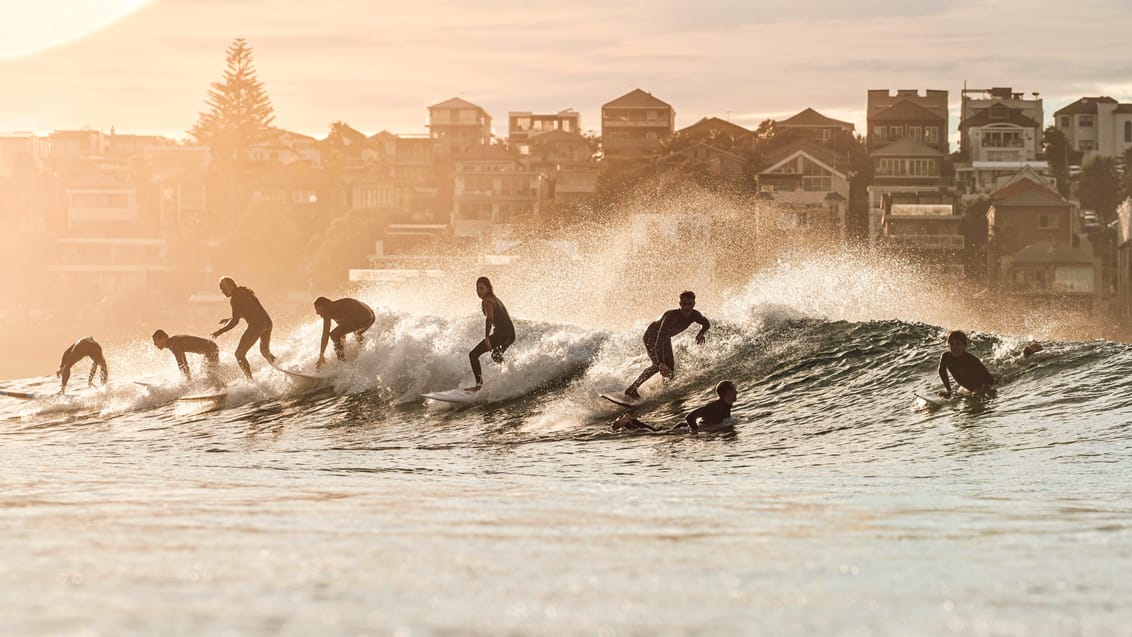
column 711, row 415
column 181, row 343
column 499, row 331
column 246, row 306
column 969, row 371
column 658, row 339
column 351, row 315
column 83, row 348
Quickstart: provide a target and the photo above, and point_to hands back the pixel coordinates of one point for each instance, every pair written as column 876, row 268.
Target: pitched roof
column 810, row 117
column 1084, row 105
column 906, row 147
column 1027, row 180
column 455, row 102
column 710, row 124
column 1049, row 252
column 815, row 151
column 714, row 149
column 556, row 135
column 1031, row 199
column 637, row 99
column 1014, row 116
column 905, row 110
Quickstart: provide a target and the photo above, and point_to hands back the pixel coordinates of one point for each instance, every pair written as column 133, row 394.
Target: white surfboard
column 220, row 395
column 458, row 396
column 936, row 401
column 294, row 373
column 619, row 398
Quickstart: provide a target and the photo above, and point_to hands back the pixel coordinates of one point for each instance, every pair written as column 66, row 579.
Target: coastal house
column 458, row 126
column 493, row 189
column 929, row 234
column 804, row 192
column 634, row 125
column 816, row 127
column 1000, row 134
column 523, row 125
column 1096, row 127
column 719, row 133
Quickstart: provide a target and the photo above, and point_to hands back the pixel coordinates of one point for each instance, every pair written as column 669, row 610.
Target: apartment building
column 1096, row 127
column 634, row 125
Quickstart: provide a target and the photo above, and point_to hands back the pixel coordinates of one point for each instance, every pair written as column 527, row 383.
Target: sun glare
column 31, row 27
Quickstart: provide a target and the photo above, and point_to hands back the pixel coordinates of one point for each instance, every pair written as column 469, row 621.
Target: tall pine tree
column 239, row 111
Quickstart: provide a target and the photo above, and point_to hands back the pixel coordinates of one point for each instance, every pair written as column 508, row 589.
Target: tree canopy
column 239, row 110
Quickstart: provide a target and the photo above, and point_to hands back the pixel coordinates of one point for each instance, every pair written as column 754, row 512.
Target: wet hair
column 957, row 335
column 688, row 295
column 725, row 386
column 320, row 301
column 160, row 334
column 486, row 281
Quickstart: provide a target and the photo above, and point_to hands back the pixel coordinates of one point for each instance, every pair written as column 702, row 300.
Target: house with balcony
column 1035, row 246
column 907, row 145
column 523, row 125
column 458, row 126
column 634, row 125
column 1000, row 133
column 284, row 147
column 491, row 191
column 804, row 193
column 1096, row 127
column 929, row 234
column 404, row 181
column 567, row 161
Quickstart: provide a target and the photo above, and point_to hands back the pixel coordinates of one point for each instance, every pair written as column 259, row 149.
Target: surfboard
column 619, row 398
column 21, row 395
column 204, row 397
column 294, row 373
column 458, row 396
column 938, row 401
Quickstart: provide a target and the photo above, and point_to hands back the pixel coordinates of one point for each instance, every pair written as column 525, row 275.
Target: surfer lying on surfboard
column 710, row 415
column 969, row 371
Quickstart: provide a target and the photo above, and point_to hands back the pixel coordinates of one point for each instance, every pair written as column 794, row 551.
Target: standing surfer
column 658, row 339
column 499, row 331
column 246, row 306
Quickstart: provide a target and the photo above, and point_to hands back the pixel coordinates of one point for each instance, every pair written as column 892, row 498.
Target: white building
column 1096, row 126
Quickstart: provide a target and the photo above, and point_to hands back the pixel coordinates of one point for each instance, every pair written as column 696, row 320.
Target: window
column 1128, row 132
column 826, row 134
column 1085, row 121
column 522, row 123
column 817, row 183
column 880, row 132
column 916, row 132
column 895, row 132
column 1065, row 121
column 931, row 134
column 1085, row 145
column 1044, row 222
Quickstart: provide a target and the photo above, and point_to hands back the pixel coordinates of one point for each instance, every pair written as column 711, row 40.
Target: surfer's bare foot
column 632, row 393
column 475, row 388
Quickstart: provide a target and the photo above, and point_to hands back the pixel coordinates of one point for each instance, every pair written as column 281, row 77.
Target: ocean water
column 839, row 504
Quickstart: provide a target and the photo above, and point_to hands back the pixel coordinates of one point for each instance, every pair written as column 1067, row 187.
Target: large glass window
column 1085, row 121
column 1128, row 132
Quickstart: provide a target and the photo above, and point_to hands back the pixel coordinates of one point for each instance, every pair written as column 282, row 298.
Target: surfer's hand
column 699, row 339
column 222, row 321
column 215, row 334
column 320, row 363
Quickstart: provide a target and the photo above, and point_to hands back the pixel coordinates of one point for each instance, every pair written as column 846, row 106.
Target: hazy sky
column 380, row 64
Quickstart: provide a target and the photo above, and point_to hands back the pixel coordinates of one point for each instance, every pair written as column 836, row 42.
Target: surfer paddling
column 181, row 344
column 246, row 306
column 352, row 316
column 83, row 348
column 658, row 339
column 499, row 331
column 969, row 371
column 711, row 416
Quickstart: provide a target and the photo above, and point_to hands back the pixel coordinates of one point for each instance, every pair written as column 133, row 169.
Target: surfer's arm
column 489, row 320
column 943, row 373
column 694, row 416
column 325, row 338
column 182, row 364
column 705, row 326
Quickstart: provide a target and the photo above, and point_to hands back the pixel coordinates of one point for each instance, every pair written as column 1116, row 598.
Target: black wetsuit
column 83, row 348
column 968, row 371
column 658, row 340
column 352, row 316
column 712, row 414
column 502, row 336
column 246, row 306
column 181, row 344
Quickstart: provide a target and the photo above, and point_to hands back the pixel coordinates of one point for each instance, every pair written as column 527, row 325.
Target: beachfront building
column 907, row 145
column 816, row 127
column 284, row 147
column 804, row 194
column 719, row 133
column 634, row 125
column 998, row 138
column 1096, row 127
column 458, row 126
column 566, row 161
column 493, row 190
column 929, row 234
column 524, row 125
